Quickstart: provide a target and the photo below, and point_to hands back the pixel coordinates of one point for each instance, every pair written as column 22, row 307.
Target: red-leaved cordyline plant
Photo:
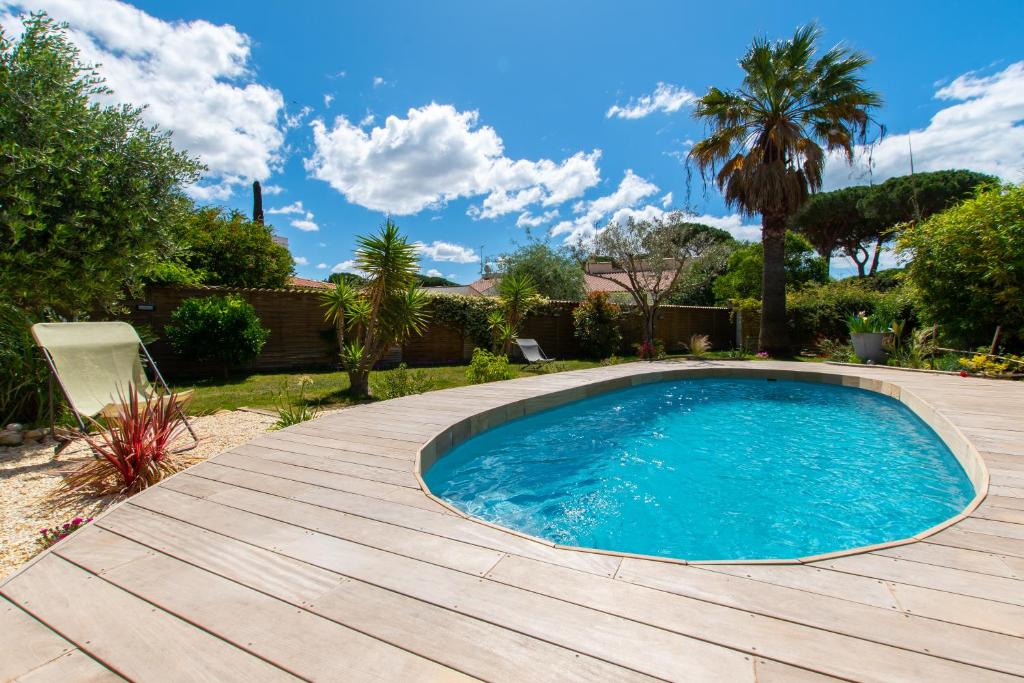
column 131, row 449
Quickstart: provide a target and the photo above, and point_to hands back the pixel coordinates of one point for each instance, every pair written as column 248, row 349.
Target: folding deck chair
column 532, row 352
column 95, row 362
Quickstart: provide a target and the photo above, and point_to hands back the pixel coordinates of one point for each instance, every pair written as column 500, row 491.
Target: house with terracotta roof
column 599, row 276
column 306, row 283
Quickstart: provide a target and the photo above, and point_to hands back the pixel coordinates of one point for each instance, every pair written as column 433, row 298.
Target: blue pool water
column 711, row 469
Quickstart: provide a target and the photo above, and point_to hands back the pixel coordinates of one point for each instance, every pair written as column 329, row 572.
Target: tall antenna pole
column 482, row 270
column 913, row 181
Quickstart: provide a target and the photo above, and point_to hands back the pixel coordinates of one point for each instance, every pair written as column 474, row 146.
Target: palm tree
column 385, row 310
column 768, row 141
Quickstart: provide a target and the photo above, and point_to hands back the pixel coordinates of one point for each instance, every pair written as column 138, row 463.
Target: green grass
column 271, row 391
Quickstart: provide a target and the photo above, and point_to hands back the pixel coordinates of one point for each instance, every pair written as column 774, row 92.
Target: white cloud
column 434, row 272
column 272, row 189
column 348, row 266
column 301, row 260
column 437, row 154
column 451, row 276
column 295, row 120
column 295, row 207
column 666, row 98
column 666, row 201
column 321, row 266
column 328, row 98
column 446, row 251
column 981, row 130
column 367, row 120
column 528, row 220
column 618, row 205
column 378, row 81
column 305, row 224
column 194, row 77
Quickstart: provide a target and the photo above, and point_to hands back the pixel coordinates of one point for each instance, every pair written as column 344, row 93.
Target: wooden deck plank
column 159, row 645
column 364, row 487
column 816, row 649
column 887, row 626
column 336, row 442
column 465, row 557
column 252, row 621
column 324, row 464
column 447, row 526
column 956, row 558
column 340, row 453
column 635, row 646
column 430, row 631
column 944, row 606
column 31, row 651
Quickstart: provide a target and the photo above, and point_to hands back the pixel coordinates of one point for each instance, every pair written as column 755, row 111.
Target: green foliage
column 24, row 375
column 225, row 248
column 434, row 281
column 400, row 382
column 88, row 193
column 468, row 313
column 596, row 326
column 915, row 197
column 862, row 323
column 223, row 329
column 488, row 367
column 968, row 266
column 992, row 366
column 295, row 409
column 837, row 351
column 823, row 311
column 832, row 221
column 743, row 277
column 554, row 272
column 384, row 311
column 517, row 296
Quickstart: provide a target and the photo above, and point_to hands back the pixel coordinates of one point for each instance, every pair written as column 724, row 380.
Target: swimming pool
column 711, row 469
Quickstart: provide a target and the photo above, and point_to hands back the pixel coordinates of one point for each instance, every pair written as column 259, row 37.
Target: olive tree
column 88, row 193
column 652, row 255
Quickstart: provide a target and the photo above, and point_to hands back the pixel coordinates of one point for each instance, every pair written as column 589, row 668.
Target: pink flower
column 76, row 521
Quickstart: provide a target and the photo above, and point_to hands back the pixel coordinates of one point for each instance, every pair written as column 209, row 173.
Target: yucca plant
column 384, row 311
column 131, row 446
column 517, row 294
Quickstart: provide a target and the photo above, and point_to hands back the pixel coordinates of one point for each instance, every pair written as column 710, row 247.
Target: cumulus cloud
column 295, row 207
column 328, row 98
column 272, row 189
column 194, row 77
column 378, row 81
column 528, row 220
column 434, row 272
column 321, row 266
column 618, row 205
column 301, row 260
column 980, row 130
column 666, row 98
column 446, row 251
column 666, row 201
column 367, row 120
column 347, row 266
column 305, row 224
column 436, row 154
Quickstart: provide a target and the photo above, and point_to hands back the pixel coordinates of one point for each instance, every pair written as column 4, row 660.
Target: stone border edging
column 962, row 448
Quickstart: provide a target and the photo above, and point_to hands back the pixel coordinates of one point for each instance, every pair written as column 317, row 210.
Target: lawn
column 326, row 388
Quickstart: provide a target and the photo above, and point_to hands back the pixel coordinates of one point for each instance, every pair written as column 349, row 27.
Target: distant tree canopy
column 695, row 286
column 857, row 221
column 217, row 247
column 350, row 279
column 554, row 272
column 434, row 281
column 967, row 266
column 89, row 195
column 743, row 277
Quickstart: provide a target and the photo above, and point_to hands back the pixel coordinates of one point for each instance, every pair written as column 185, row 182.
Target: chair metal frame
column 65, row 441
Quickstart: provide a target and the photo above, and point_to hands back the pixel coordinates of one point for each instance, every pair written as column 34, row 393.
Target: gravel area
column 29, row 476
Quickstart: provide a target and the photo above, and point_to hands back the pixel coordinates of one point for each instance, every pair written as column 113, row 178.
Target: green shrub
column 596, row 325
column 488, row 367
column 222, row 329
column 24, row 375
column 400, row 382
column 467, row 313
column 823, row 311
column 968, row 266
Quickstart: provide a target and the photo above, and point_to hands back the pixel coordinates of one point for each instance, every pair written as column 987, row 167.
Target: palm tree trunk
column 774, row 338
column 359, row 381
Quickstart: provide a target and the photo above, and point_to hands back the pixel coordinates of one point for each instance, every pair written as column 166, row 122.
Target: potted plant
column 867, row 335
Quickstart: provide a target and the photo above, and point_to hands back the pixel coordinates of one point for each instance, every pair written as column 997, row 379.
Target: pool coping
column 460, row 430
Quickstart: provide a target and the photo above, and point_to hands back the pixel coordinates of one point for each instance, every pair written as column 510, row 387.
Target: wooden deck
column 313, row 553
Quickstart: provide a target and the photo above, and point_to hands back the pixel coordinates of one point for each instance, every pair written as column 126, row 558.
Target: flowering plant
column 48, row 537
column 763, row 355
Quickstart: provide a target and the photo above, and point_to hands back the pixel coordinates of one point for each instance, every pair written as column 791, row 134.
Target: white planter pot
column 868, row 346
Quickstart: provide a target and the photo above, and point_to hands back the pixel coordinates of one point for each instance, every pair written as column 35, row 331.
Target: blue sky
column 470, row 121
